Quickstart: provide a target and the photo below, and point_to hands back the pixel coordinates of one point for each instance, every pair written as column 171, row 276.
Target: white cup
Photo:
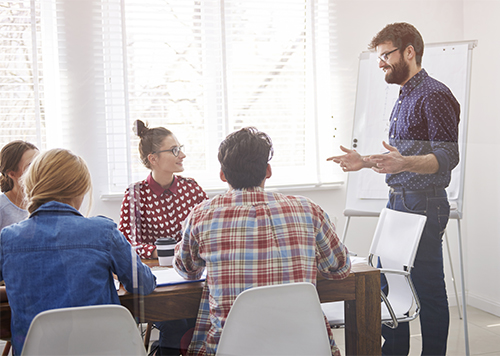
column 165, row 248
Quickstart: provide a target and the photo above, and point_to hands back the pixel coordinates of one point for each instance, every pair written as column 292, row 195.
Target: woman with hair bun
column 58, row 258
column 15, row 157
column 156, row 207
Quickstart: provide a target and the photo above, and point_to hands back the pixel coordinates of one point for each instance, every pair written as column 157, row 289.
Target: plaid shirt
column 248, row 238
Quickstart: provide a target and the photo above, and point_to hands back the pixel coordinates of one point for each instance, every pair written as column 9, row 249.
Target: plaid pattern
column 248, row 238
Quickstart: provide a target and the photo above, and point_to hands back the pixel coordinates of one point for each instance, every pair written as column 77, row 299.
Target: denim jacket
column 58, row 258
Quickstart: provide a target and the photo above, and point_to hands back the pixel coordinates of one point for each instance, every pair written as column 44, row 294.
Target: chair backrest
column 395, row 242
column 396, row 238
column 89, row 330
column 283, row 319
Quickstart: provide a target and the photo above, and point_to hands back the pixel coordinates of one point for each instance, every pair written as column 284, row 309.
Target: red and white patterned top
column 249, row 238
column 158, row 212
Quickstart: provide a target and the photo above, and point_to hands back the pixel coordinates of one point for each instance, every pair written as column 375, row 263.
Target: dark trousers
column 171, row 333
column 427, row 274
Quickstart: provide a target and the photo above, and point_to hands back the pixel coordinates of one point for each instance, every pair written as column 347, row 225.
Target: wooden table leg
column 363, row 317
column 147, row 335
column 6, row 348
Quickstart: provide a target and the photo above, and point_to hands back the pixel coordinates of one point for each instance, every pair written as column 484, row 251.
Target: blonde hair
column 58, row 175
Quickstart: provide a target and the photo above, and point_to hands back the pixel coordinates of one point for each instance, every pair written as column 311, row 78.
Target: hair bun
column 140, row 128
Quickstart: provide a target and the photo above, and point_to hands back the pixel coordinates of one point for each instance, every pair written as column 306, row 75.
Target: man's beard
column 399, row 72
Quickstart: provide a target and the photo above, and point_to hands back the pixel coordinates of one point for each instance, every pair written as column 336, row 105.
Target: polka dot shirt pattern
column 158, row 212
column 425, row 120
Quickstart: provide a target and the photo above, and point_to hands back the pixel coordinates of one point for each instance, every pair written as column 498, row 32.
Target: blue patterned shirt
column 425, row 120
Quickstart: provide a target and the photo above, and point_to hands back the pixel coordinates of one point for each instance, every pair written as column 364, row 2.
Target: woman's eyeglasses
column 175, row 150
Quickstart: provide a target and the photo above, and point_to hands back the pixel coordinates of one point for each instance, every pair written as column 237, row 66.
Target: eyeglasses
column 385, row 56
column 175, row 150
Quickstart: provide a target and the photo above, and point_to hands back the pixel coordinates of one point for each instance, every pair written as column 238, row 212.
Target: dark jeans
column 171, row 333
column 427, row 274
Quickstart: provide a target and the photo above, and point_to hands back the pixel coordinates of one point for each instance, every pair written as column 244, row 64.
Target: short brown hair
column 243, row 157
column 402, row 35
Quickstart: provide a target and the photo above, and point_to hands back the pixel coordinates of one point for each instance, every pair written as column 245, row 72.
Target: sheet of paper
column 167, row 276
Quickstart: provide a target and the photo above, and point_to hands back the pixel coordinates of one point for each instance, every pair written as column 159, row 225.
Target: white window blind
column 201, row 68
column 21, row 73
column 204, row 69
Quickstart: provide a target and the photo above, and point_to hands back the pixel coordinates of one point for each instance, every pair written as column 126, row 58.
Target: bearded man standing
column 421, row 153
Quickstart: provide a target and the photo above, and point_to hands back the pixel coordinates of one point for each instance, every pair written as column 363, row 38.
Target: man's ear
column 222, row 176
column 410, row 52
column 269, row 171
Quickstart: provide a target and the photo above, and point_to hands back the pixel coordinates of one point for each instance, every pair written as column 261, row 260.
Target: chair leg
column 6, row 348
column 147, row 335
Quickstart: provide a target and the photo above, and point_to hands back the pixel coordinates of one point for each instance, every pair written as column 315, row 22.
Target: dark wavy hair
column 402, row 35
column 151, row 140
column 244, row 156
column 10, row 156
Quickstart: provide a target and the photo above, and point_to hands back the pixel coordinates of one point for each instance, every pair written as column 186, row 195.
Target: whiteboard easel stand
column 462, row 274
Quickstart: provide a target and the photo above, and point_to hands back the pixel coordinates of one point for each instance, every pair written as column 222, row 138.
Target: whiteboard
column 450, row 63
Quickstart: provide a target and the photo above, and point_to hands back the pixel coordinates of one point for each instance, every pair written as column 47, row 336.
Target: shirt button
column 399, row 102
column 395, row 119
column 392, row 136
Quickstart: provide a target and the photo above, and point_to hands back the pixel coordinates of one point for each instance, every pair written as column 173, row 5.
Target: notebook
column 166, row 276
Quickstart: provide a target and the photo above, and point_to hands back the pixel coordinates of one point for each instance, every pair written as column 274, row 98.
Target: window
column 21, row 73
column 201, row 68
column 204, row 69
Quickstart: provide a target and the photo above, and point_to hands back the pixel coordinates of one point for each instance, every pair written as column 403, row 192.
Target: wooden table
column 360, row 291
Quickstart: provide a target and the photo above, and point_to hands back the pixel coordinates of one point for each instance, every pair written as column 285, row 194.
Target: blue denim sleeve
column 135, row 276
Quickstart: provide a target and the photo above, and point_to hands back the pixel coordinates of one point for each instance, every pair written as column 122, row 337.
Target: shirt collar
column 157, row 188
column 55, row 206
column 414, row 82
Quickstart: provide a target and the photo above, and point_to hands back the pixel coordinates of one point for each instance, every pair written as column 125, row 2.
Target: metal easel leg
column 452, row 273
column 345, row 229
column 464, row 302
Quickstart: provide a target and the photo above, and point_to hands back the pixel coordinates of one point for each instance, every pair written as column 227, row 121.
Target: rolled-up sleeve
column 443, row 114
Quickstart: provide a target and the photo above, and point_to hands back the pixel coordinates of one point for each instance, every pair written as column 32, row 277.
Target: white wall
column 482, row 191
column 438, row 21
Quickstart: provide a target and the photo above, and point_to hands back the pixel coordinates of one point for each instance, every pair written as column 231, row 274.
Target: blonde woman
column 58, row 258
column 15, row 157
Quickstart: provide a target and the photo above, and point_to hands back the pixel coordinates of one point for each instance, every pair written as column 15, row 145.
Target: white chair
column 284, row 319
column 89, row 330
column 395, row 242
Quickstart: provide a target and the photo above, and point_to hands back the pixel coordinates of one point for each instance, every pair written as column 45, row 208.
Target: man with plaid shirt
column 248, row 237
